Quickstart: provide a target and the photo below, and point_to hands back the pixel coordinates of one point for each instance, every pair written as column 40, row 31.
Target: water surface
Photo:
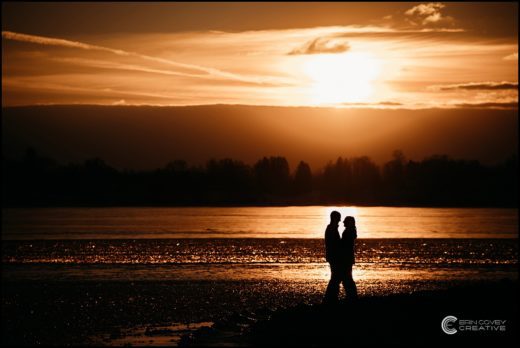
column 129, row 269
column 254, row 222
column 255, row 243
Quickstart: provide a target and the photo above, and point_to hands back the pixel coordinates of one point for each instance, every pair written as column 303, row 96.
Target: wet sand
column 403, row 320
column 120, row 312
column 237, row 313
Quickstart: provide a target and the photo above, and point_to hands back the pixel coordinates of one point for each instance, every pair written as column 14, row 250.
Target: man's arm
column 330, row 244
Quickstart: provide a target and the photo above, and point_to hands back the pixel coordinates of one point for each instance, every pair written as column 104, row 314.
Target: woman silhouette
column 348, row 245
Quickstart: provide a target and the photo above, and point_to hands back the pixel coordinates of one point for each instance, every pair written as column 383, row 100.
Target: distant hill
column 146, row 137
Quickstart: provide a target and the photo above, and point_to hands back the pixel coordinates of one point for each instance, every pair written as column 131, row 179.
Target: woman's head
column 350, row 226
column 349, row 221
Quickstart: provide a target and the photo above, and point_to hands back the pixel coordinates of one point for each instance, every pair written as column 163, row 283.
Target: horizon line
column 367, row 106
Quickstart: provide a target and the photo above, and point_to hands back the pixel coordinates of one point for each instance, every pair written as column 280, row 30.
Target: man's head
column 335, row 217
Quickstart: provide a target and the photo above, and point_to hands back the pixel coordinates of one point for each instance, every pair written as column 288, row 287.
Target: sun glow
column 344, row 211
column 340, row 78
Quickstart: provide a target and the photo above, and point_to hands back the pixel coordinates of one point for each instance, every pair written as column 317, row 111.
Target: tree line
column 36, row 180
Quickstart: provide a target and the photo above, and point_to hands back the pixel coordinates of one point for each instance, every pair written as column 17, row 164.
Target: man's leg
column 332, row 292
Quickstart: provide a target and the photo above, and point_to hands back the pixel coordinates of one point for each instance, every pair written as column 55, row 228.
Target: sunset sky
column 309, row 81
column 384, row 55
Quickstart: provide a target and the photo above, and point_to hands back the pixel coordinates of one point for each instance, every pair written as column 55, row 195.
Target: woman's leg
column 349, row 284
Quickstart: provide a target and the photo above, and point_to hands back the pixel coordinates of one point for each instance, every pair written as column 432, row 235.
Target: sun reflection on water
column 254, row 222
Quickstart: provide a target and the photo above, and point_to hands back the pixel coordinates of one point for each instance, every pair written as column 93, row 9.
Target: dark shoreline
column 412, row 320
column 63, row 313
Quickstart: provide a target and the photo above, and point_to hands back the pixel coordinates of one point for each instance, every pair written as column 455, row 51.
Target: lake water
column 251, row 243
column 254, row 222
column 198, row 265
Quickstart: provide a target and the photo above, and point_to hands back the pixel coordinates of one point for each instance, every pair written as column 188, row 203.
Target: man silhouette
column 333, row 257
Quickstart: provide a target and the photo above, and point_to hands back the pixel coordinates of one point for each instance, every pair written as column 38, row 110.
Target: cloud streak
column 321, row 45
column 513, row 57
column 504, row 85
column 95, row 63
column 490, row 105
column 208, row 72
column 382, row 103
column 64, row 88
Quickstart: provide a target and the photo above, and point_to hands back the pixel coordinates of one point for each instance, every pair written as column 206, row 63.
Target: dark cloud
column 506, row 105
column 480, row 86
column 453, row 34
column 389, row 103
column 321, row 45
column 382, row 103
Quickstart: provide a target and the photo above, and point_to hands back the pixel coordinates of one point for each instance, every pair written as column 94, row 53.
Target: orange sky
column 384, row 55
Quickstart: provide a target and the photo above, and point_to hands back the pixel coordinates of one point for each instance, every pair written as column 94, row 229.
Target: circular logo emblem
column 445, row 325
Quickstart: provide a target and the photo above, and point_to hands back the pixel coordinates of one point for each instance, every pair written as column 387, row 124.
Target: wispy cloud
column 513, row 56
column 25, row 83
column 334, row 41
column 42, row 40
column 102, row 64
column 208, row 72
column 96, row 63
column 429, row 13
column 504, row 85
column 321, row 45
column 386, row 103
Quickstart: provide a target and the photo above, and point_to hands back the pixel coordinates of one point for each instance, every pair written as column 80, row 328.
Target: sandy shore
column 411, row 320
column 202, row 313
column 139, row 313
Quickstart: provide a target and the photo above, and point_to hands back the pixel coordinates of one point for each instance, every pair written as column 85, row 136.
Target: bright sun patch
column 340, row 78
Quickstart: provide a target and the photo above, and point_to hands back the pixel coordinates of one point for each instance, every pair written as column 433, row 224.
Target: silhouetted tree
column 272, row 175
column 365, row 180
column 336, row 180
column 228, row 180
column 303, row 178
column 35, row 180
column 176, row 166
column 394, row 177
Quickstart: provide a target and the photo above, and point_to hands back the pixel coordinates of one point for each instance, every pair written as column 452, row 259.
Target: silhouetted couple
column 339, row 252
